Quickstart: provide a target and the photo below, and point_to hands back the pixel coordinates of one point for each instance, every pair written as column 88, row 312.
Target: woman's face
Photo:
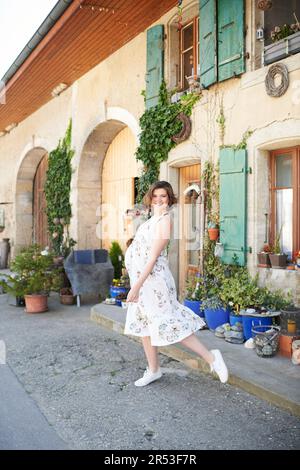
column 160, row 199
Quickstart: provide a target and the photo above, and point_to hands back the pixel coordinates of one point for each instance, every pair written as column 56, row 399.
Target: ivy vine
column 158, row 125
column 57, row 191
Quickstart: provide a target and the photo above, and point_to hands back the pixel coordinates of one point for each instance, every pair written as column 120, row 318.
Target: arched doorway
column 24, row 200
column 91, row 215
column 40, row 223
column 120, row 169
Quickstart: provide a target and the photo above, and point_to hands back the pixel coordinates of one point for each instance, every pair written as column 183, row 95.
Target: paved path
column 81, row 375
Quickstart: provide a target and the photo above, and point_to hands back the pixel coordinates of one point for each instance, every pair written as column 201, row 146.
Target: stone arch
column 26, row 170
column 89, row 172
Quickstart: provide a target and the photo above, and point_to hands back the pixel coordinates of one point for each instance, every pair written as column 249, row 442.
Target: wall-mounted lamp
column 260, row 34
column 59, row 89
column 10, row 127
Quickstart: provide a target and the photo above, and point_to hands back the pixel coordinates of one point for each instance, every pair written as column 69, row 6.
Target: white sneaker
column 148, row 377
column 219, row 366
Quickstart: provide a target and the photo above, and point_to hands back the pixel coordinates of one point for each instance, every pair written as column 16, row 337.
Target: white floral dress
column 157, row 313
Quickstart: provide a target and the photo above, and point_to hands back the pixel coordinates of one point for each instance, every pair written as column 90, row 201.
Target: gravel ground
column 81, row 377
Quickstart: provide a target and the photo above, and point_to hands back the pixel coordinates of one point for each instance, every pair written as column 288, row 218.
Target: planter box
column 263, row 260
column 282, row 49
column 278, row 261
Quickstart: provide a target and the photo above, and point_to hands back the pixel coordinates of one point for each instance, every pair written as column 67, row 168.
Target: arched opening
column 105, row 184
column 24, row 200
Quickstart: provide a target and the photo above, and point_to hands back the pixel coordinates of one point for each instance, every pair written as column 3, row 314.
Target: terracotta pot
column 67, row 299
column 213, row 233
column 36, row 303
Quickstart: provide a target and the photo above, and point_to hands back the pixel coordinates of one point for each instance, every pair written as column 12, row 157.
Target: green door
column 233, row 205
column 155, row 64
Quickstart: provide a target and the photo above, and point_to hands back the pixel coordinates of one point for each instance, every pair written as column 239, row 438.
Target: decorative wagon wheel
column 185, row 132
column 271, row 88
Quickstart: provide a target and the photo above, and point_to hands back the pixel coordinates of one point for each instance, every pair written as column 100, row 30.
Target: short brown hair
column 160, row 185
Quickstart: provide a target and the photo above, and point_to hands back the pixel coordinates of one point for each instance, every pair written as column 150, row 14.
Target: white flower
column 44, row 253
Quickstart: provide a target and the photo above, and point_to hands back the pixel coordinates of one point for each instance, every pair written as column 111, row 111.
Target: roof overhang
column 84, row 34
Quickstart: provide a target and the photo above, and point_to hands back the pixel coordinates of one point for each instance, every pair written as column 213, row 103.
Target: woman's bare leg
column 193, row 343
column 151, row 353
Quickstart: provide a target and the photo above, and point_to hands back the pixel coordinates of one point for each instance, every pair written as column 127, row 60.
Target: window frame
column 195, row 22
column 295, row 154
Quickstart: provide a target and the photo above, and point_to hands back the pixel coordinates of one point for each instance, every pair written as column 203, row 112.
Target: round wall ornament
column 185, row 132
column 264, row 4
column 272, row 88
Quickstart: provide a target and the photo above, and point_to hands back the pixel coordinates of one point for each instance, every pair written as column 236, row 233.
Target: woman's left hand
column 133, row 294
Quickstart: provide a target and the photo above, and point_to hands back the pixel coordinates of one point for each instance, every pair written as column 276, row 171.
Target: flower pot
column 114, row 291
column 233, row 319
column 67, row 299
column 281, row 49
column 213, row 234
column 195, row 306
column 216, row 317
column 250, row 322
column 278, row 261
column 264, row 260
column 36, row 303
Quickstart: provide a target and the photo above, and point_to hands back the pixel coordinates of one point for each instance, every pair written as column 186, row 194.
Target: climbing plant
column 158, row 125
column 57, row 191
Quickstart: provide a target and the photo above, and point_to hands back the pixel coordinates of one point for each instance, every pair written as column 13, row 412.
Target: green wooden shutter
column 233, row 204
column 155, row 64
column 207, row 42
column 231, row 60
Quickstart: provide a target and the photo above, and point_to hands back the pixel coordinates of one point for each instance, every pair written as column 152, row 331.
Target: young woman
column 154, row 312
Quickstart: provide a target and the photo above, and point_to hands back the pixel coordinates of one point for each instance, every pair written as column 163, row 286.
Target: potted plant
column 213, row 227
column 34, row 276
column 216, row 312
column 66, row 296
column 285, row 41
column 195, row 293
column 277, row 257
column 263, row 257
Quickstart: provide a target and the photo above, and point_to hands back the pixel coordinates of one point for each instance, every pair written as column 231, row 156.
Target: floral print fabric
column 157, row 313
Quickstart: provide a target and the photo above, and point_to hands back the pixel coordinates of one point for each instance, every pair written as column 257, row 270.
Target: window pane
column 188, row 69
column 284, row 218
column 284, row 170
column 187, row 37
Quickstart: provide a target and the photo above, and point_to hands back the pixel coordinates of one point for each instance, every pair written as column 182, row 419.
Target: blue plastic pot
column 114, row 291
column 216, row 317
column 233, row 319
column 194, row 305
column 250, row 321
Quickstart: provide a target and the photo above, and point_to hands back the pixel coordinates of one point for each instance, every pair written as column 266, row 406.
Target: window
column 281, row 13
column 189, row 51
column 285, row 194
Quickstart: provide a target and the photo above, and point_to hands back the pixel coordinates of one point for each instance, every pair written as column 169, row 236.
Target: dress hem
column 170, row 342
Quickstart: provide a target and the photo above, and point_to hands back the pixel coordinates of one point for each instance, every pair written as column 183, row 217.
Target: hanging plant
column 160, row 130
column 57, row 191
